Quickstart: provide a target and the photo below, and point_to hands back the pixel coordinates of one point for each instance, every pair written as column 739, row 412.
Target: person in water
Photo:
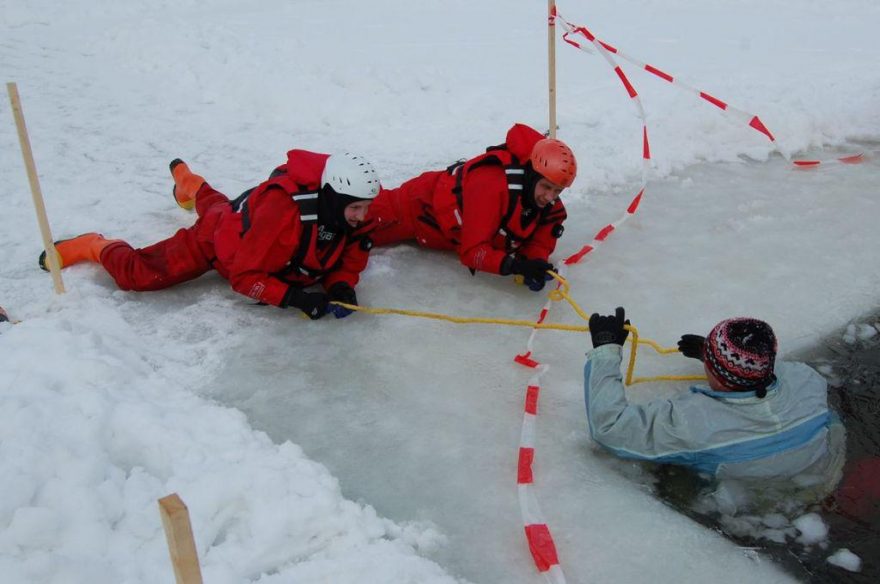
column 758, row 422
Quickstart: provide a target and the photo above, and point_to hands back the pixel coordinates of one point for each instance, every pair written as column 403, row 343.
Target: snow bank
column 98, row 426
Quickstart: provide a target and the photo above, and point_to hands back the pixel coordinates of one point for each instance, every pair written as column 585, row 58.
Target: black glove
column 343, row 293
column 535, row 270
column 538, row 285
column 313, row 304
column 692, row 346
column 605, row 330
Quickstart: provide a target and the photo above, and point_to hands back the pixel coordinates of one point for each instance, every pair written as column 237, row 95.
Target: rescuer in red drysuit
column 499, row 211
column 304, row 225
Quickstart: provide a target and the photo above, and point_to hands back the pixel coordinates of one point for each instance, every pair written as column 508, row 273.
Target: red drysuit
column 475, row 208
column 271, row 238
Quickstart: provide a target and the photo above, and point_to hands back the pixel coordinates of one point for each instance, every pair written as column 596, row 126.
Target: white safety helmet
column 351, row 175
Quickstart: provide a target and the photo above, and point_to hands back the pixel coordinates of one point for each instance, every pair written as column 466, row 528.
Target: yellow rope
column 465, row 319
column 560, row 293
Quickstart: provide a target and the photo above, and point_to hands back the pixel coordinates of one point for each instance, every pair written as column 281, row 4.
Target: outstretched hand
column 341, row 292
column 529, row 269
column 313, row 304
column 537, row 284
column 605, row 330
column 692, row 346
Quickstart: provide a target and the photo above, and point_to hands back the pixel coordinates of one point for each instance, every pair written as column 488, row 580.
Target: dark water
column 853, row 370
column 855, row 395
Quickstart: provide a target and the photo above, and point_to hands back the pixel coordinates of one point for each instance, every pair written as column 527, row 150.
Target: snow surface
column 813, row 529
column 846, row 560
column 860, row 332
column 111, row 400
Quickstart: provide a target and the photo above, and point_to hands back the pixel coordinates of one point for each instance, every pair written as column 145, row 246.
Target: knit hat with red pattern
column 741, row 353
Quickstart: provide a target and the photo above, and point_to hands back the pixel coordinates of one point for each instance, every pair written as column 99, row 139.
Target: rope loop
column 560, row 293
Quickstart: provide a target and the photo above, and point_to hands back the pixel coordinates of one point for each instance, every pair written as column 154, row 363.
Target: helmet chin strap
column 531, row 181
column 332, row 208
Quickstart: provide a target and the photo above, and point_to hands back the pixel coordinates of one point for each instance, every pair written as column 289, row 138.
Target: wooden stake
column 551, row 63
column 36, row 193
column 181, row 545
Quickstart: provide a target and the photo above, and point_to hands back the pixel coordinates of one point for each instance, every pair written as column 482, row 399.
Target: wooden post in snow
column 551, row 63
column 36, row 193
column 181, row 545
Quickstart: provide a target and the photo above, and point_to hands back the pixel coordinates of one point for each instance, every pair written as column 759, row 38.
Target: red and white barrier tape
column 853, row 159
column 525, row 359
column 600, row 237
column 538, row 535
column 744, row 117
column 603, row 233
column 537, row 532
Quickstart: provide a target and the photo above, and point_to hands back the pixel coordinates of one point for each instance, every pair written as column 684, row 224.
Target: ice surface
column 432, row 433
column 103, row 407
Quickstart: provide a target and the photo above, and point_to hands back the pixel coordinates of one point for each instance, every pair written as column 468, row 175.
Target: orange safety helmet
column 555, row 161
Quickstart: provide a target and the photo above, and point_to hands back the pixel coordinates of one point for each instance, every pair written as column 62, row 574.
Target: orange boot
column 186, row 184
column 82, row 248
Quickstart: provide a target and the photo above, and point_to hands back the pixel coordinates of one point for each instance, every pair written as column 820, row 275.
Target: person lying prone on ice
column 304, row 225
column 499, row 211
